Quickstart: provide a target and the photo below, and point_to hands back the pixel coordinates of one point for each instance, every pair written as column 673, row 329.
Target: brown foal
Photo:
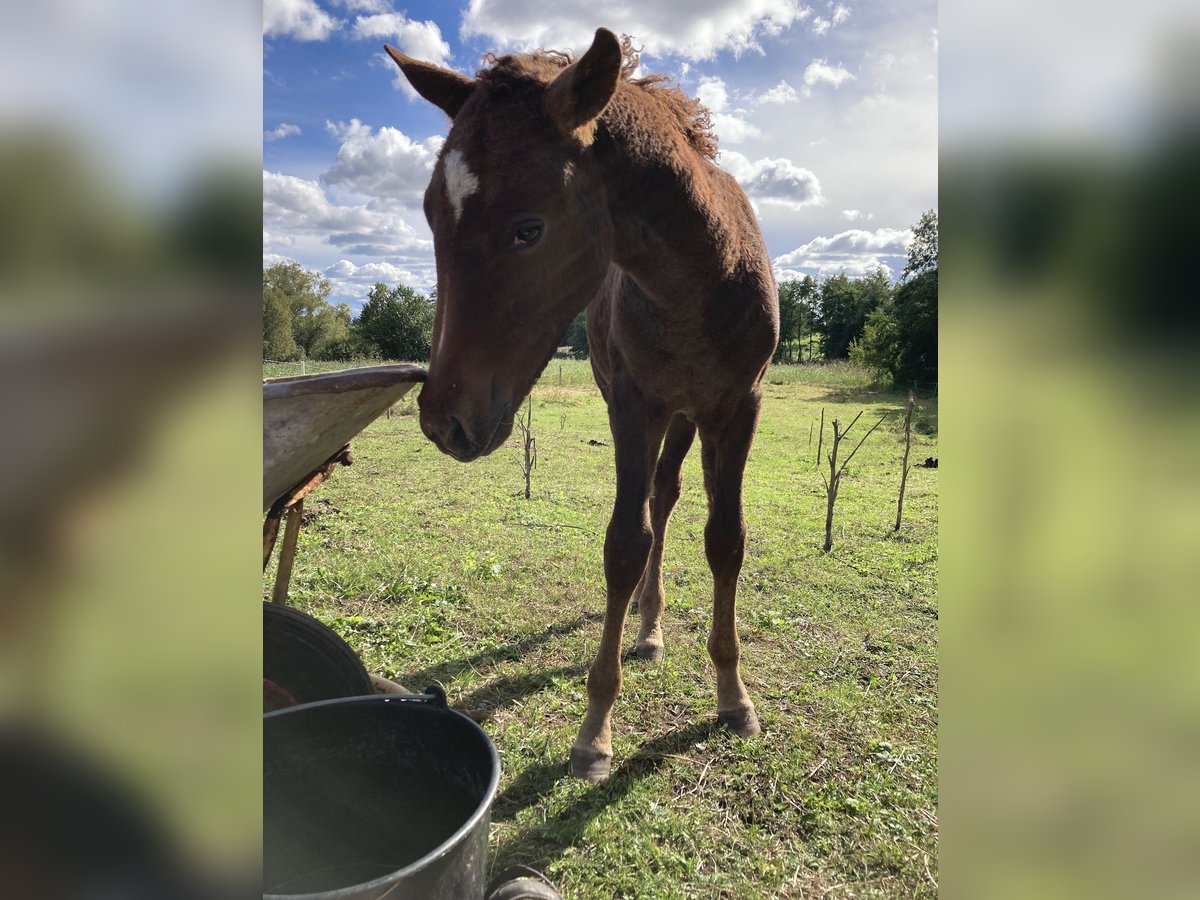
column 564, row 185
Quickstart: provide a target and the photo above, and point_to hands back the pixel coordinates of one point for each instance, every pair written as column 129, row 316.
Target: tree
column 807, row 296
column 331, row 333
column 795, row 316
column 317, row 329
column 278, row 342
column 576, row 337
column 396, row 323
column 923, row 251
column 879, row 347
column 900, row 336
column 844, row 305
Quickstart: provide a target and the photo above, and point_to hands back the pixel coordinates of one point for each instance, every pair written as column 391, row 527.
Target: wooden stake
column 529, row 442
column 821, row 436
column 904, row 469
column 834, row 481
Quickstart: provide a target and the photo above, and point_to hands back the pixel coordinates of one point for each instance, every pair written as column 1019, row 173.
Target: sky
column 826, row 113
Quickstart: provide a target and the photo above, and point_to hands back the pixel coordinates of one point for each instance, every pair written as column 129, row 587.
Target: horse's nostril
column 456, row 437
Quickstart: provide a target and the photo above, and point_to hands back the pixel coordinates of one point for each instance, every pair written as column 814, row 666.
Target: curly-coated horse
column 565, row 185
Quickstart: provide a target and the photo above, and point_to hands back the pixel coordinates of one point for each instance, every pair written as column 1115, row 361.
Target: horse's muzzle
column 467, row 440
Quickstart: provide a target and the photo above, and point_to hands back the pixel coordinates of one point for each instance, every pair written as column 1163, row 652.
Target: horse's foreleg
column 725, row 450
column 667, row 483
column 636, row 436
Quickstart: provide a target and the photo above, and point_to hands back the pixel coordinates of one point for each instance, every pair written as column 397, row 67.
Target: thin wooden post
column 834, row 481
column 912, row 403
column 524, row 425
column 831, row 487
column 821, row 437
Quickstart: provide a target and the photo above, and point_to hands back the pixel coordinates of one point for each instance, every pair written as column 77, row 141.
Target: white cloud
column 781, row 93
column 694, row 31
column 713, row 93
column 350, row 279
column 853, row 215
column 299, row 19
column 731, row 128
column 820, row 72
column 777, row 181
column 854, row 252
column 373, row 6
column 283, row 130
column 840, row 14
column 820, row 26
column 297, row 208
column 729, row 124
column 851, row 269
column 372, row 271
column 421, row 40
column 385, row 164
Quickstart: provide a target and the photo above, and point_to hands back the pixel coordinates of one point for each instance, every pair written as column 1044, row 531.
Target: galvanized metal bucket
column 368, row 797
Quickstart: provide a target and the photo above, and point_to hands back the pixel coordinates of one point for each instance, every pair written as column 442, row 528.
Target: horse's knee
column 604, row 681
column 725, row 544
column 626, row 548
column 723, row 650
column 667, row 489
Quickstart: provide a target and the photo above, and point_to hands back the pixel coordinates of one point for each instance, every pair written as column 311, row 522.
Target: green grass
column 438, row 571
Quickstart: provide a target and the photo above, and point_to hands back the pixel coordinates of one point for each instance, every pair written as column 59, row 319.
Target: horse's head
column 517, row 231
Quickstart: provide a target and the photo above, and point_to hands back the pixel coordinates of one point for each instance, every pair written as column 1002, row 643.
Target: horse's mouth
column 460, row 446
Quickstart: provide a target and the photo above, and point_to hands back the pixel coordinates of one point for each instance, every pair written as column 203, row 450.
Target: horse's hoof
column 590, row 765
column 742, row 721
column 649, row 652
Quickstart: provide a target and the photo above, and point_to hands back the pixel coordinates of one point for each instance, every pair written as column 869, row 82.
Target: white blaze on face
column 461, row 182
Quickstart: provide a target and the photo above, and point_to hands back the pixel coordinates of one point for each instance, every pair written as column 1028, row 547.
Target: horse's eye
column 527, row 233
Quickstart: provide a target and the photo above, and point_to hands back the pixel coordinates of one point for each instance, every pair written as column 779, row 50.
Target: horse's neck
column 667, row 230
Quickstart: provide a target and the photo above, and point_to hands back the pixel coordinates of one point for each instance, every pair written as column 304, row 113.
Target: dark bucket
column 372, row 796
column 305, row 660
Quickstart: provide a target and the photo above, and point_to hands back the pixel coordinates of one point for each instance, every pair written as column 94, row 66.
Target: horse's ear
column 445, row 89
column 577, row 96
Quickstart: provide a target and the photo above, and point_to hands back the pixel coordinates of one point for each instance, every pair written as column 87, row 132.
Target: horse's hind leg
column 725, row 449
column 667, row 483
column 637, row 432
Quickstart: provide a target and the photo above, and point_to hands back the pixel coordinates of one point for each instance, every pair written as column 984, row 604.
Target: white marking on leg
column 461, row 182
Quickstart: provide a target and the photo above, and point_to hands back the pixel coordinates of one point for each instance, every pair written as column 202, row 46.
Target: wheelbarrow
column 308, row 423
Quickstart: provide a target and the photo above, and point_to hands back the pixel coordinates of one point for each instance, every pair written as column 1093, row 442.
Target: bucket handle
column 434, row 695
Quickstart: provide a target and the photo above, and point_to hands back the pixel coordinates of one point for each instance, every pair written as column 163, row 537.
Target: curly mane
column 509, row 73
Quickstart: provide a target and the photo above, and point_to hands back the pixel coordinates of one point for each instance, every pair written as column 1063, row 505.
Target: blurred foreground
column 1070, row 331
column 129, row 469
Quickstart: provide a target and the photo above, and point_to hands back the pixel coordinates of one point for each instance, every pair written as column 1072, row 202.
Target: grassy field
column 438, row 571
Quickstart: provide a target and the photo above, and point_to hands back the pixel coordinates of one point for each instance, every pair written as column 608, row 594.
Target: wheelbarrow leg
column 270, row 535
column 287, row 554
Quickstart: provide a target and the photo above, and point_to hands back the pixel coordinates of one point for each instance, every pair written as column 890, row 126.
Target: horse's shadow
column 482, row 703
column 451, row 668
column 547, row 841
column 888, row 399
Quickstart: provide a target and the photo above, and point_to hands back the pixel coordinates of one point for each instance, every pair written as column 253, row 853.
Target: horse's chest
column 669, row 361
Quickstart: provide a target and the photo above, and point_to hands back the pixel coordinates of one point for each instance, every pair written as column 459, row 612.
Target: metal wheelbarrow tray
column 308, row 422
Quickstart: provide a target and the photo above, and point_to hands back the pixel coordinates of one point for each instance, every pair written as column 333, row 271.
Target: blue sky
column 826, row 113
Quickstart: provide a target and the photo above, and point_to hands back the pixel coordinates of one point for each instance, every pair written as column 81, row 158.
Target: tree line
column 888, row 327
column 300, row 322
